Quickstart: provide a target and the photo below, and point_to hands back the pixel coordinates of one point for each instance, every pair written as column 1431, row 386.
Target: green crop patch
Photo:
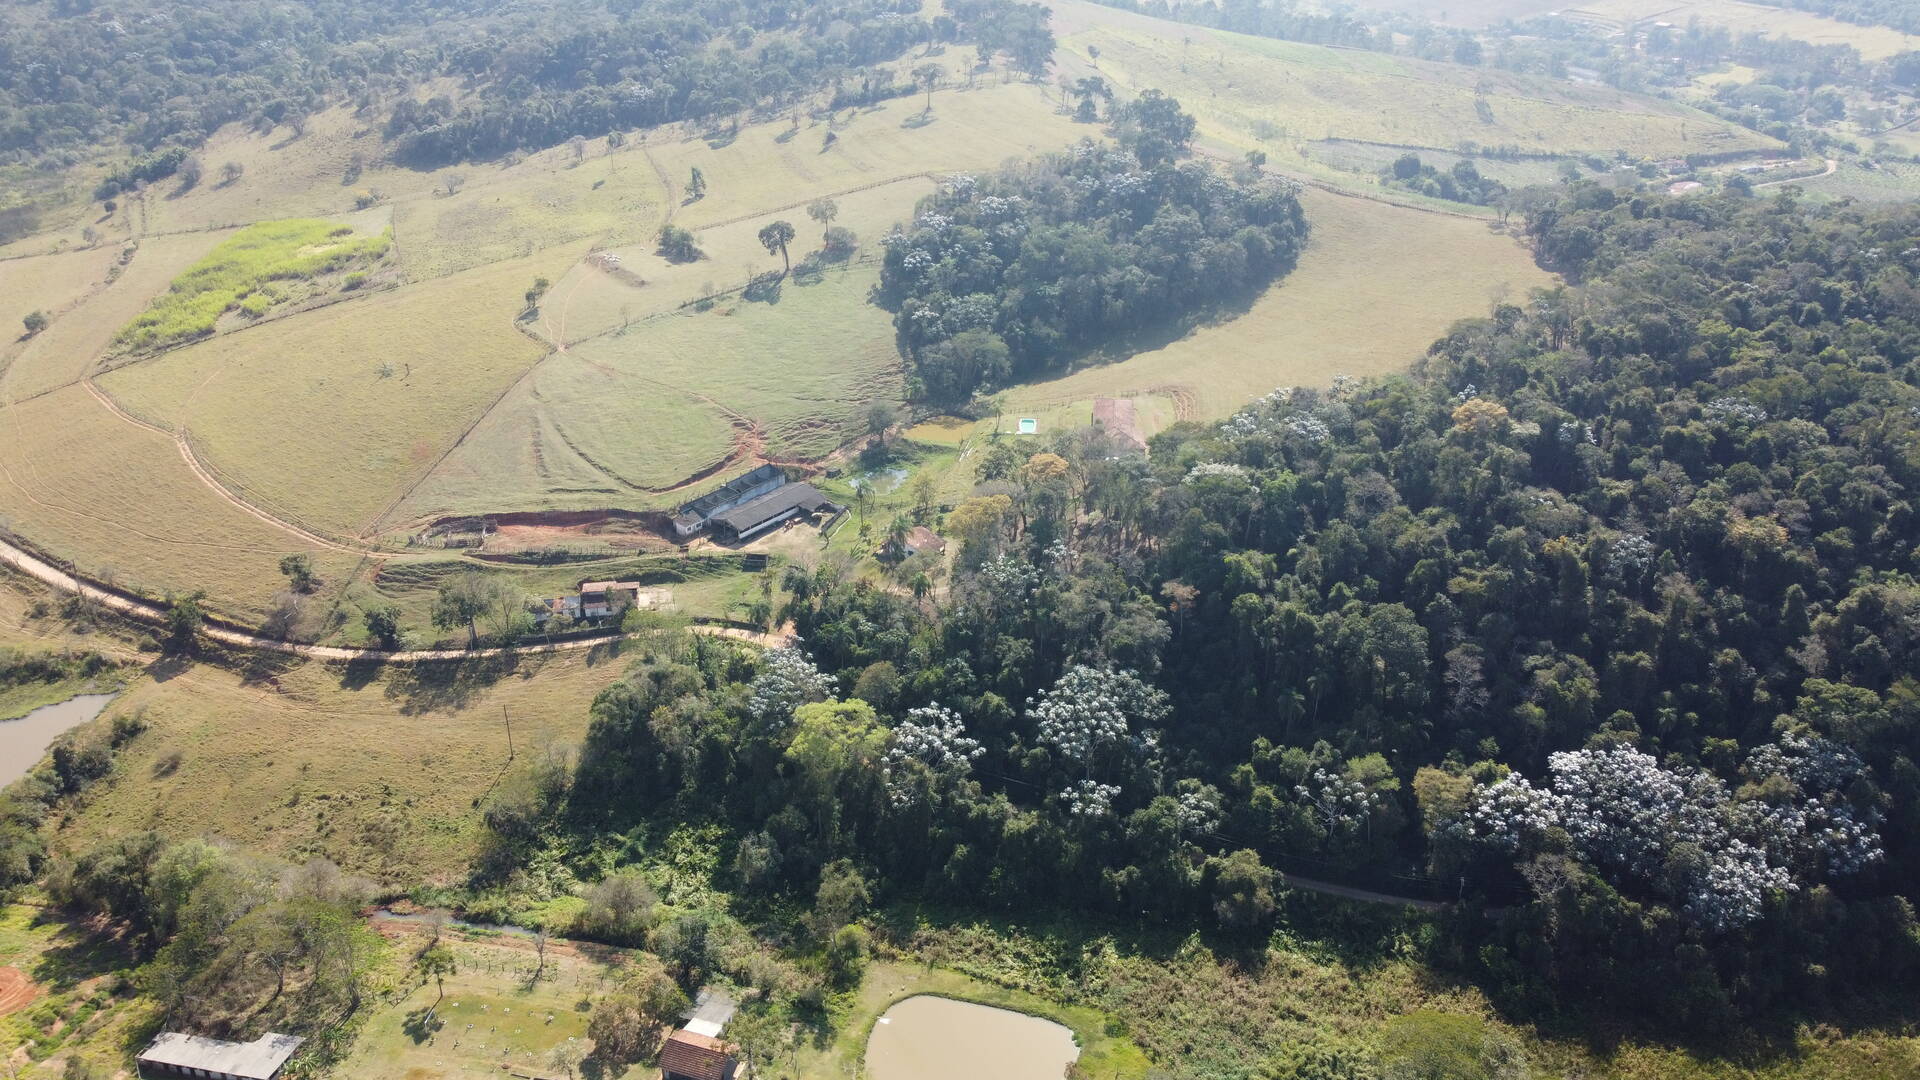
column 251, row 272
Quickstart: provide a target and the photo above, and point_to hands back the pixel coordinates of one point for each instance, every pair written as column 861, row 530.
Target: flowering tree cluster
column 1090, row 799
column 934, row 739
column 1089, row 711
column 1682, row 831
column 787, row 680
column 1340, row 805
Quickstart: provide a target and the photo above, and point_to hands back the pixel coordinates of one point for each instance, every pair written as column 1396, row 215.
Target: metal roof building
column 769, row 510
column 173, row 1054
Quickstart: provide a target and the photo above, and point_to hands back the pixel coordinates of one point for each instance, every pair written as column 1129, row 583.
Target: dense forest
column 88, row 73
column 1006, row 276
column 1601, row 623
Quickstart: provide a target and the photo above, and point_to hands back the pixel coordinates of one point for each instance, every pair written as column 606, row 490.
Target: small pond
column 936, row 1038
column 24, row 742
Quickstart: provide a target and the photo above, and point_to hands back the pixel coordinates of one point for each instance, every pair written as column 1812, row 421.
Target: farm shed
column 769, row 510
column 689, row 1055
column 173, row 1054
column 710, row 1012
column 922, row 540
column 695, row 515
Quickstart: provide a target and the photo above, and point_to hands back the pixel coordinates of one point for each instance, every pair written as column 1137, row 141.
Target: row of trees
column 1006, row 276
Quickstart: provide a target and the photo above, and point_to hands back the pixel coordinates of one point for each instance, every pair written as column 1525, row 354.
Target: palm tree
column 776, row 237
column 928, row 76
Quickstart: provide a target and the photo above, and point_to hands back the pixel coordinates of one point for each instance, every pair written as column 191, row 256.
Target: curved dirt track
column 47, row 573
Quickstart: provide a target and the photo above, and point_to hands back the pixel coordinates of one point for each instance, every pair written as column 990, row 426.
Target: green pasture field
column 627, row 419
column 380, row 769
column 1376, row 285
column 599, row 297
column 328, row 416
column 81, row 334
column 492, row 1018
column 547, row 200
column 248, row 273
column 1259, row 91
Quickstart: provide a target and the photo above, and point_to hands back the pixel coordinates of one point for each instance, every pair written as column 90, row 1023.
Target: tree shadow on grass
column 421, row 1024
column 445, row 684
column 764, row 288
column 360, row 674
column 257, row 667
column 81, row 950
column 168, row 667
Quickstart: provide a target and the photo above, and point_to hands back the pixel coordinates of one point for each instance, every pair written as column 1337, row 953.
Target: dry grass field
column 49, row 284
column 63, row 352
column 1874, row 42
column 396, row 375
column 379, row 769
column 119, row 501
column 1376, row 286
column 494, row 1018
column 1252, row 91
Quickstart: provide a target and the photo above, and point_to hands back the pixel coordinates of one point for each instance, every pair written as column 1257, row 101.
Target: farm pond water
column 936, row 1038
column 24, row 741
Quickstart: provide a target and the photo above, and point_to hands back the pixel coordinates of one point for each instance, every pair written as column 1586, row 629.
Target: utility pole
column 509, row 720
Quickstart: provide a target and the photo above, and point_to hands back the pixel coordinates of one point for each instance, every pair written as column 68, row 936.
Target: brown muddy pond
column 936, row 1038
column 24, row 742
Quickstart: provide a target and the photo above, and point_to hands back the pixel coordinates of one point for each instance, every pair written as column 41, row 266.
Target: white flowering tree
column 1089, row 712
column 931, row 742
column 786, row 681
column 1340, row 805
column 1681, row 831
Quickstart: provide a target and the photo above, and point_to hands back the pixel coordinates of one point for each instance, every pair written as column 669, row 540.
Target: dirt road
column 46, row 572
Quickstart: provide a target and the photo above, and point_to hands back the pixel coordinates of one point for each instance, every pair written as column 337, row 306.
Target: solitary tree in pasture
column 462, row 601
column 454, row 181
column 1091, row 91
column 824, row 211
column 35, row 321
column 184, row 616
column 696, row 184
column 231, row 172
column 776, row 237
column 568, row 1055
column 436, row 963
column 383, row 624
column 299, row 572
column 928, row 77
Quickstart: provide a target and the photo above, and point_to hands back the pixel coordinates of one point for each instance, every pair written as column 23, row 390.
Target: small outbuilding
column 689, row 1055
column 710, row 1012
column 173, row 1054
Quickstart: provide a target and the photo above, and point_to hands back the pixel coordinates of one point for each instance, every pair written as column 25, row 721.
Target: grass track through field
column 201, row 472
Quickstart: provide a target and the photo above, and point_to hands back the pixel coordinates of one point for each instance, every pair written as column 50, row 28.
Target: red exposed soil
column 16, row 990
